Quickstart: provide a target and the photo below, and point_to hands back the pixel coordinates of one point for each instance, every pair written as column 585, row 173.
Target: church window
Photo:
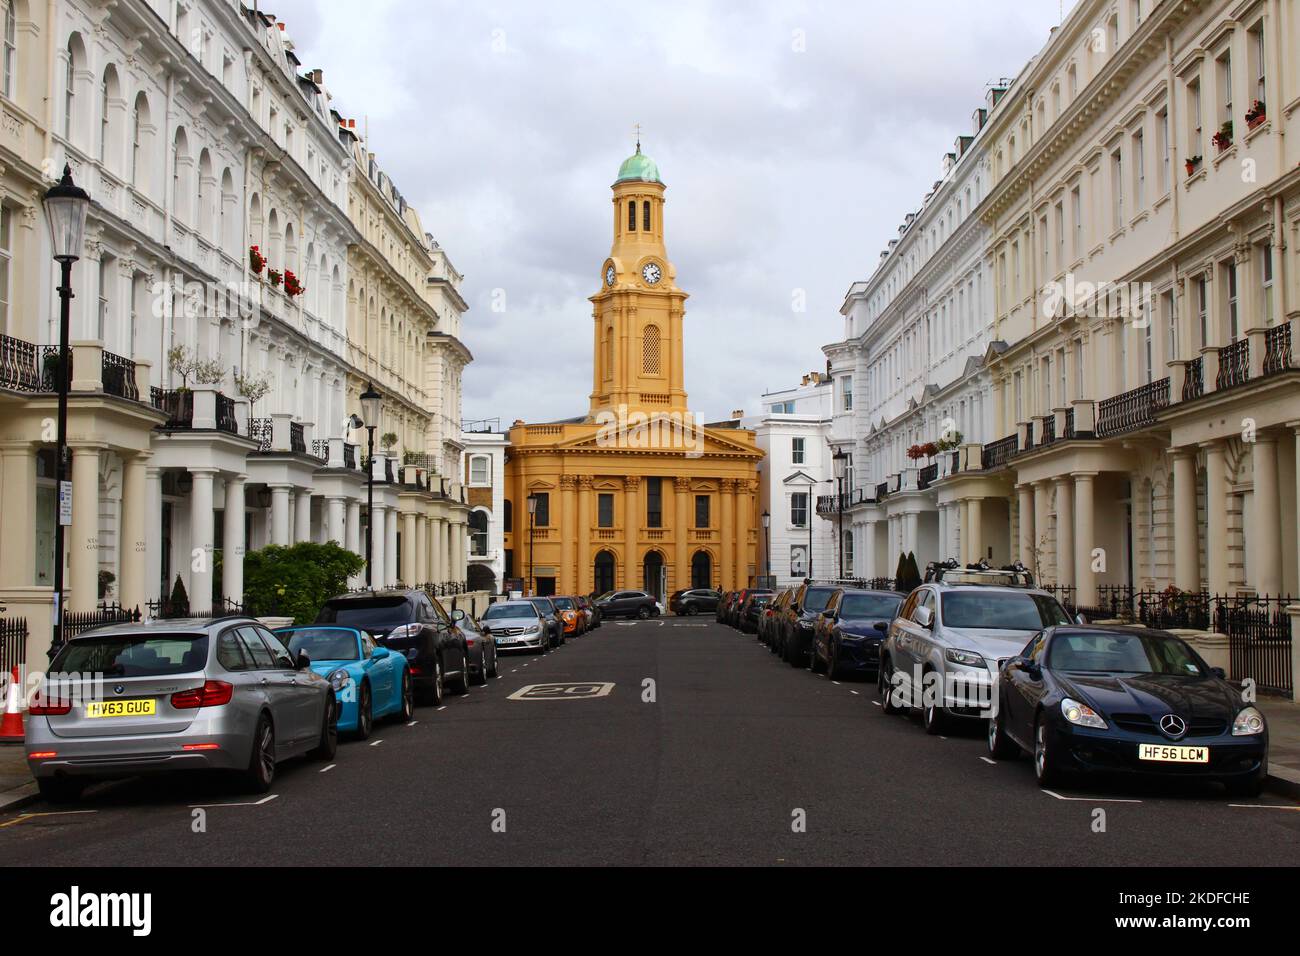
column 650, row 351
column 645, row 215
column 631, row 216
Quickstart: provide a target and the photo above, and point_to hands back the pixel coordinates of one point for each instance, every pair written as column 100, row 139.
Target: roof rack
column 952, row 572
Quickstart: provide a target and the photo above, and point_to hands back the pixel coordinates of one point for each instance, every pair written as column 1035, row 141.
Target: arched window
column 650, row 351
column 631, row 215
column 609, row 351
column 645, row 215
column 141, row 137
column 206, row 187
column 507, row 516
column 182, row 172
column 226, row 217
column 701, row 570
column 10, row 65
column 478, row 533
column 604, row 572
column 69, row 89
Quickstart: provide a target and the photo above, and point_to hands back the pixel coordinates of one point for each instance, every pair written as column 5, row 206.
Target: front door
column 655, row 575
column 604, row 575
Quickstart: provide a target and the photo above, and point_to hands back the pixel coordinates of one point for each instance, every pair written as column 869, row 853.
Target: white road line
column 854, row 693
column 329, row 768
column 991, row 763
column 256, row 803
column 412, row 723
column 376, row 743
column 836, row 683
column 876, row 703
column 443, row 707
column 1053, row 793
column 1262, row 806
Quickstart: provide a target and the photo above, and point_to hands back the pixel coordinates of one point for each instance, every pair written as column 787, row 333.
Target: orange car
column 572, row 614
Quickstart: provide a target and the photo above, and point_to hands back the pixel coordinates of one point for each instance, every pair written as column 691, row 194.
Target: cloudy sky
column 793, row 137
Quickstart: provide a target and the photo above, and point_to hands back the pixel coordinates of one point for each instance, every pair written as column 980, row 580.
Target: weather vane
column 637, row 127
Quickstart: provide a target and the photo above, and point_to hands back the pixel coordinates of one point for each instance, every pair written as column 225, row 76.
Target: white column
column 943, row 534
column 133, row 543
column 302, row 516
column 1085, row 539
column 233, row 544
column 1042, row 522
column 911, row 531
column 1025, row 537
column 280, row 514
column 153, row 530
column 1216, row 517
column 421, row 545
column 391, row 571
column 1065, row 531
column 974, row 521
column 963, row 531
column 438, row 571
column 409, row 552
column 377, row 525
column 335, row 509
column 201, row 527
column 1265, row 530
column 1187, row 557
column 869, row 550
column 352, row 530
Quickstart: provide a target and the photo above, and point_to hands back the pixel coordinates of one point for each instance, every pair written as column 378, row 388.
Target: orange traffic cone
column 11, row 728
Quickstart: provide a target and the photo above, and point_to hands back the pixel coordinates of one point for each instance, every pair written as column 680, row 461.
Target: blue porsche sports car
column 369, row 681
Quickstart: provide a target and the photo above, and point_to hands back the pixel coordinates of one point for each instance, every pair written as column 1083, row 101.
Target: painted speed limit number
column 562, row 691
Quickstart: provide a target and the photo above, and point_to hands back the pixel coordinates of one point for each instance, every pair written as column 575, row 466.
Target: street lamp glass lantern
column 66, row 206
column 767, row 519
column 532, row 504
column 372, row 406
column 840, row 458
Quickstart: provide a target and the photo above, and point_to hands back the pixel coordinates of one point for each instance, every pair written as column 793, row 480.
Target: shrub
column 296, row 581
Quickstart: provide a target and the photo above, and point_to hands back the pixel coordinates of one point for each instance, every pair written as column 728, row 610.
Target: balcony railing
column 882, row 490
column 1277, row 349
column 259, row 429
column 49, row 365
column 1135, row 408
column 297, row 439
column 1049, row 431
column 349, row 455
column 119, row 377
column 1069, row 425
column 18, row 365
column 832, row 504
column 178, row 405
column 226, row 421
column 1194, row 381
column 927, row 475
column 1234, row 364
column 998, row 453
column 320, row 448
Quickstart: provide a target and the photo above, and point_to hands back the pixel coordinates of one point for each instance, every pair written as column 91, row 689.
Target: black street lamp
column 841, row 459
column 532, row 512
column 66, row 206
column 372, row 407
column 766, row 518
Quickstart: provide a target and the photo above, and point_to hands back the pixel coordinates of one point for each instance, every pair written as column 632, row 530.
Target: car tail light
column 49, row 708
column 469, row 642
column 405, row 632
column 415, row 671
column 42, row 754
column 201, row 747
column 213, row 693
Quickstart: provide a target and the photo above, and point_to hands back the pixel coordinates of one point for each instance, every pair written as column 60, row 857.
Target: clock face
column 651, row 273
column 609, row 276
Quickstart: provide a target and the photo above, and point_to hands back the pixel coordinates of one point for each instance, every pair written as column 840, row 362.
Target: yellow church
column 635, row 494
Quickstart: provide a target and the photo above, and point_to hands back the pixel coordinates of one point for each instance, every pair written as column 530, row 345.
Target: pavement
column 1283, row 718
column 677, row 742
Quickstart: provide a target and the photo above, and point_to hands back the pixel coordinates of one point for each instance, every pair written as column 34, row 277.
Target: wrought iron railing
column 1134, row 409
column 1069, row 425
column 1277, row 349
column 13, row 644
column 49, row 365
column 882, row 490
column 177, row 404
column 998, row 453
column 1194, row 379
column 259, row 429
column 349, row 455
column 297, row 439
column 119, row 377
column 1174, row 608
column 320, row 448
column 226, row 420
column 18, row 369
column 927, row 476
column 1260, row 642
column 831, row 504
column 1234, row 365
column 77, row 622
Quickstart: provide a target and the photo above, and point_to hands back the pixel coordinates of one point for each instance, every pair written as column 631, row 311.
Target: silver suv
column 942, row 652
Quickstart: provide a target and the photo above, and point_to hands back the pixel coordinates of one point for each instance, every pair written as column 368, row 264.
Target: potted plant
column 930, row 449
column 292, row 286
column 1223, row 138
column 1256, row 115
column 388, row 440
column 915, row 453
column 256, row 261
column 1193, row 163
column 276, row 276
column 252, row 387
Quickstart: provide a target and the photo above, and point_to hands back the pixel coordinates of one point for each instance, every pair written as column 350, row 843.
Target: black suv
column 798, row 619
column 409, row 622
column 627, row 604
column 694, row 601
column 554, row 623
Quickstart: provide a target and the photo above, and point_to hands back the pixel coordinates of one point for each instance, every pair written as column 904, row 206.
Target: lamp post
column 766, row 518
column 841, row 460
column 372, row 406
column 66, row 206
column 532, row 512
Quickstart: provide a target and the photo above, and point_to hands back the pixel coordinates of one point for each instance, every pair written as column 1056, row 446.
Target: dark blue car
column 847, row 634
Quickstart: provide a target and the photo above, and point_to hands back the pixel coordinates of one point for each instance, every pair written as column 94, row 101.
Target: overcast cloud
column 505, row 123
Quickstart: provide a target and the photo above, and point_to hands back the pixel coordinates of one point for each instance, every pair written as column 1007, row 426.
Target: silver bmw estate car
column 221, row 693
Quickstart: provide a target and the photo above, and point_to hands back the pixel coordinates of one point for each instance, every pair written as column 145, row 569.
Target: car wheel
column 833, row 665
column 60, row 789
column 407, row 710
column 493, row 671
column 482, row 677
column 814, row 662
column 261, row 764
column 461, row 684
column 885, row 684
column 365, row 712
column 643, row 612
column 1001, row 747
column 933, row 716
column 688, row 610
column 1045, row 763
column 328, row 744
column 436, row 692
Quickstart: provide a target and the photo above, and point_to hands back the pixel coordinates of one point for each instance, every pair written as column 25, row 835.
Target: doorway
column 655, row 575
column 604, row 569
column 701, row 570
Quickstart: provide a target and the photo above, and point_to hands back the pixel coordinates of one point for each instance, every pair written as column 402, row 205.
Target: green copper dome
column 638, row 167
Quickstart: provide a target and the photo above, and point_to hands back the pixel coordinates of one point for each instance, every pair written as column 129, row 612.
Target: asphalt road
column 719, row 768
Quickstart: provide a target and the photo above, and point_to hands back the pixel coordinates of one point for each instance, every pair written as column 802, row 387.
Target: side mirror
column 458, row 615
column 1030, row 667
column 379, row 653
column 923, row 616
column 1080, row 619
column 1219, row 672
column 882, row 627
column 303, row 662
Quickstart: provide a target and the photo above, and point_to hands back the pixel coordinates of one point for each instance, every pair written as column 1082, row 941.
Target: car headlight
column 969, row 658
column 1249, row 721
column 340, row 679
column 533, row 629
column 1081, row 714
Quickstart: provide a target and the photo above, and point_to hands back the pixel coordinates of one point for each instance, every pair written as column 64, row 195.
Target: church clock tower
column 638, row 311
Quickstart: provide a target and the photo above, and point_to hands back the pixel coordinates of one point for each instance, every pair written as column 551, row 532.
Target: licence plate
column 1171, row 754
column 506, row 640
column 121, row 708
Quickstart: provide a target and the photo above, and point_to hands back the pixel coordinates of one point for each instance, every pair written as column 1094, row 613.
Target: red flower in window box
column 255, row 260
column 1223, row 138
column 292, row 286
column 1256, row 115
column 275, row 275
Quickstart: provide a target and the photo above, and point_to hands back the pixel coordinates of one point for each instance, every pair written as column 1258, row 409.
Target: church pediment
column 657, row 435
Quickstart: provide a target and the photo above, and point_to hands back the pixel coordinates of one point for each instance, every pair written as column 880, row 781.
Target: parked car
column 551, row 614
column 206, row 694
column 574, row 618
column 415, row 625
column 724, row 605
column 637, row 604
column 959, row 629
column 1094, row 699
column 369, row 681
column 795, row 630
column 770, row 615
column 848, row 633
column 750, row 609
column 482, row 650
column 593, row 612
column 694, row 601
column 516, row 626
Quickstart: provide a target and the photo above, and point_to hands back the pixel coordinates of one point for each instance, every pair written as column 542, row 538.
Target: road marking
column 1262, row 806
column 412, row 723
column 329, row 768
column 443, row 707
column 217, row 806
column 585, row 691
column 24, row 817
column 854, row 693
column 836, row 683
column 991, row 763
column 1053, row 793
column 376, row 743
column 876, row 703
